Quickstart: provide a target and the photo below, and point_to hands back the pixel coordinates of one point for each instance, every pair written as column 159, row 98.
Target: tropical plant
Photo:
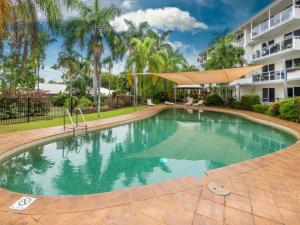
column 224, row 54
column 91, row 29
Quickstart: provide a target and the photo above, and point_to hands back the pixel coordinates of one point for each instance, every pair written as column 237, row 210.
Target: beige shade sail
column 209, row 76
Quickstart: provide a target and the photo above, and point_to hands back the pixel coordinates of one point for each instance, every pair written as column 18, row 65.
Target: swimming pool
column 172, row 144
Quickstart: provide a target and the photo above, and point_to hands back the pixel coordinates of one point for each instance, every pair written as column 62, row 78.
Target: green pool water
column 172, row 144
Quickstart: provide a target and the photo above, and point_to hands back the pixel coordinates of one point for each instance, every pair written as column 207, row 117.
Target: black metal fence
column 20, row 110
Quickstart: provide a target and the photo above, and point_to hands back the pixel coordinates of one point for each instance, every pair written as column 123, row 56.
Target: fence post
column 71, row 105
column 28, row 110
column 117, row 102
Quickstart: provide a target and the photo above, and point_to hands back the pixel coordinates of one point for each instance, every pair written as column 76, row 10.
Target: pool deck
column 265, row 191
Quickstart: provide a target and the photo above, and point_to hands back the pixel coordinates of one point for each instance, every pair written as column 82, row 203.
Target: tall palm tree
column 91, row 29
column 224, row 54
column 6, row 16
column 109, row 63
column 138, row 59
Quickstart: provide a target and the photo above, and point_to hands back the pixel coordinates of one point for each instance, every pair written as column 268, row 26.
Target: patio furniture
column 189, row 101
column 169, row 103
column 149, row 102
column 200, row 102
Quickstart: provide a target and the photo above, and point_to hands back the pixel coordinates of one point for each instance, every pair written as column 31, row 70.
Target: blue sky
column 194, row 23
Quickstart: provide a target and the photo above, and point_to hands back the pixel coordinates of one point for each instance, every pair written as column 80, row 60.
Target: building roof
column 209, row 76
column 53, row 88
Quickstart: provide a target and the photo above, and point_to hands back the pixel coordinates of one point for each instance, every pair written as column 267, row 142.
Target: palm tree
column 186, row 67
column 91, row 29
column 138, row 59
column 6, row 15
column 108, row 61
column 224, row 54
column 160, row 40
column 68, row 61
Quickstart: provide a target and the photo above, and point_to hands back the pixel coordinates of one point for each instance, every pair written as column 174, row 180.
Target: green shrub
column 288, row 110
column 261, row 108
column 238, row 105
column 248, row 101
column 59, row 99
column 84, row 102
column 213, row 99
column 68, row 102
column 274, row 109
column 297, row 107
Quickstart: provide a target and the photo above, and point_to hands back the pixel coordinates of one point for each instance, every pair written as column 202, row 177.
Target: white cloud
column 168, row 18
column 127, row 4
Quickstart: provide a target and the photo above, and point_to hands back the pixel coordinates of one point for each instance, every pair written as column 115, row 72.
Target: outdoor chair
column 189, row 101
column 149, row 102
column 169, row 103
column 200, row 102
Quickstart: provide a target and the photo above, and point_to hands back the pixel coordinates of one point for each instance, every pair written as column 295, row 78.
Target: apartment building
column 270, row 38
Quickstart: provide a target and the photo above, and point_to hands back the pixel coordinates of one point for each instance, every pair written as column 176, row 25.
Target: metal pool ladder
column 67, row 113
column 84, row 121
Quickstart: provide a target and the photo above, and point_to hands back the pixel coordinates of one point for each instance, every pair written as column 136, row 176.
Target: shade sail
column 209, row 76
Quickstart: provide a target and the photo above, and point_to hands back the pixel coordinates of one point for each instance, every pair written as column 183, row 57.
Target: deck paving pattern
column 264, row 191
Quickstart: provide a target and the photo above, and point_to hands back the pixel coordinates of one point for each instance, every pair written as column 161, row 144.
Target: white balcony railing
column 273, row 21
column 275, row 48
column 268, row 76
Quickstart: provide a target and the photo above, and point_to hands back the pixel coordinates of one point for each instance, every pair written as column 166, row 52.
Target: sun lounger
column 169, row 103
column 200, row 102
column 149, row 102
column 189, row 101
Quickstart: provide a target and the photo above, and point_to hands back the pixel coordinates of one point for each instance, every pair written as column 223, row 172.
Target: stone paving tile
column 271, row 183
column 262, row 221
column 206, row 194
column 238, row 202
column 210, row 209
column 290, row 217
column 154, row 208
column 265, row 210
column 201, row 220
column 260, row 195
column 176, row 215
column 234, row 216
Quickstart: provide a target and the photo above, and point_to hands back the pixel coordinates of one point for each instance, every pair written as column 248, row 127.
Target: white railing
column 275, row 48
column 268, row 76
column 273, row 21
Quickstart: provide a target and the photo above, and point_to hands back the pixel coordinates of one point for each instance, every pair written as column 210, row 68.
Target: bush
column 261, row 108
column 67, row 103
column 297, row 107
column 274, row 109
column 248, row 101
column 59, row 99
column 84, row 102
column 237, row 105
column 213, row 99
column 288, row 110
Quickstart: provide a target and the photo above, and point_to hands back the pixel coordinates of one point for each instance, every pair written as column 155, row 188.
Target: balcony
column 274, row 21
column 276, row 48
column 268, row 76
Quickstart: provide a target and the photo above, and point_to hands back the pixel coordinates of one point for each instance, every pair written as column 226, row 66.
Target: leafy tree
column 91, row 29
column 224, row 54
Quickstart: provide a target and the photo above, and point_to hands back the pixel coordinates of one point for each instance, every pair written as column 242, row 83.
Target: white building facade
column 270, row 38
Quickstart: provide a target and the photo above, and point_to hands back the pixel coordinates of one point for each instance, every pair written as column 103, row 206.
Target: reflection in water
column 173, row 144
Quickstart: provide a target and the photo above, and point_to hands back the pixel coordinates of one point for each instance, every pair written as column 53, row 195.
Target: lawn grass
column 59, row 121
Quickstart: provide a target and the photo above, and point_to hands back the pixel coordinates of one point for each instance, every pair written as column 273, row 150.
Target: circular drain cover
column 218, row 189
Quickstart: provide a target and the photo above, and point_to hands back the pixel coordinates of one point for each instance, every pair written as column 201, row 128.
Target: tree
column 224, row 54
column 91, row 29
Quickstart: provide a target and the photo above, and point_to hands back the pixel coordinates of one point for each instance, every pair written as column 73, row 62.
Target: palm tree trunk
column 95, row 81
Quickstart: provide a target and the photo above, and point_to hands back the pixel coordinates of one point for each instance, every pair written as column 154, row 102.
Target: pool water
column 172, row 144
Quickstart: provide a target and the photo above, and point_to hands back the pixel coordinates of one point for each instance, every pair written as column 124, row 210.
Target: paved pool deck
column 264, row 191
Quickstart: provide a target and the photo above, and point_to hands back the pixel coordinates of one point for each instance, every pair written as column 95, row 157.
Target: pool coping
column 71, row 204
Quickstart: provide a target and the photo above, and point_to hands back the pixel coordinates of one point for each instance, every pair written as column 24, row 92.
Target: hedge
column 248, row 101
column 213, row 99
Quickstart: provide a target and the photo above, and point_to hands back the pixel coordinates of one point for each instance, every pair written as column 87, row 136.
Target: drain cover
column 218, row 189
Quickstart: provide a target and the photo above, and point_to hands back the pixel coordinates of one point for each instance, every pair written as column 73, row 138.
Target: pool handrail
column 70, row 118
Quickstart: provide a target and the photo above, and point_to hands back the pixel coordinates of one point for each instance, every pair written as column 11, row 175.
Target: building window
column 297, row 63
column 297, row 33
column 293, row 92
column 268, row 94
